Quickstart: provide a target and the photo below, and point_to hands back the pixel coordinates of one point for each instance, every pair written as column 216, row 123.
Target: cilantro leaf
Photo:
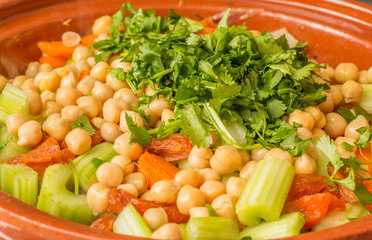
column 117, row 73
column 83, row 123
column 328, row 153
column 363, row 195
column 211, row 211
column 97, row 162
column 137, row 134
column 347, row 146
column 349, row 115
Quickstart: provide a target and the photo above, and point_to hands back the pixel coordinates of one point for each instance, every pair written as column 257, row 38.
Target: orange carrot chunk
column 54, row 61
column 83, row 74
column 89, row 39
column 56, row 49
column 306, row 184
column 156, row 168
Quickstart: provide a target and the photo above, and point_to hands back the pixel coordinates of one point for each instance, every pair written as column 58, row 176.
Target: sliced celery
column 366, row 101
column 265, row 193
column 130, row 222
column 12, row 100
column 212, row 228
column 226, row 177
column 56, row 199
column 19, row 181
column 335, row 218
column 85, row 169
column 11, row 150
column 182, row 164
column 288, row 225
column 183, row 230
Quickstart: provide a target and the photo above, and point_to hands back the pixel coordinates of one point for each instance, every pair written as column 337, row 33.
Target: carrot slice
column 306, row 184
column 104, row 223
column 206, row 30
column 56, row 49
column 173, row 148
column 83, row 74
column 89, row 39
column 314, row 207
column 54, row 61
column 119, row 198
column 364, row 156
column 156, row 168
column 208, row 22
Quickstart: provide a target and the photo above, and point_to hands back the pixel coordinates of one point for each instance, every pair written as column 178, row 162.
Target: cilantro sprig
column 83, row 123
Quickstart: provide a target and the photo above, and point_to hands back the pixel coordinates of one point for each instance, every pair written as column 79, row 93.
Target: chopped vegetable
column 56, row 62
column 56, row 49
column 175, row 147
column 105, row 223
column 212, row 228
column 12, row 100
column 306, row 184
column 83, row 123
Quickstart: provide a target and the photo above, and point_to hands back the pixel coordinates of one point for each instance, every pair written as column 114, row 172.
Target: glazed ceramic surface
column 337, row 31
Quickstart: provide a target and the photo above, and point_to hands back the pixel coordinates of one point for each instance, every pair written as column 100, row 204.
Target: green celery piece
column 366, row 101
column 288, row 225
column 85, row 169
column 226, row 177
column 56, row 199
column 212, row 228
column 266, row 191
column 182, row 164
column 183, row 230
column 335, row 218
column 130, row 222
column 20, row 181
column 11, row 150
column 12, row 100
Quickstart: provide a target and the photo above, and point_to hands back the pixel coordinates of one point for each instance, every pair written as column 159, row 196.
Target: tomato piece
column 364, row 156
column 96, row 138
column 119, row 198
column 173, row 148
column 314, row 207
column 306, row 184
column 337, row 204
column 104, row 223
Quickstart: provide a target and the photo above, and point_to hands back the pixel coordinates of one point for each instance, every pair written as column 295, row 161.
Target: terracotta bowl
column 337, row 31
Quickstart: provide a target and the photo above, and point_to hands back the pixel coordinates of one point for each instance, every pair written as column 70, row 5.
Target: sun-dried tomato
column 306, row 184
column 173, row 148
column 104, row 223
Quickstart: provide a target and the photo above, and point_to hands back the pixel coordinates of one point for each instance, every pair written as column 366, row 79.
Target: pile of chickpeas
column 59, row 96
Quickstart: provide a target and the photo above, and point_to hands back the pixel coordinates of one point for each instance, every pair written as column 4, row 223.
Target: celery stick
column 86, row 171
column 12, row 100
column 226, row 177
column 183, row 230
column 212, row 228
column 335, row 218
column 366, row 101
column 11, row 150
column 182, row 164
column 130, row 222
column 265, row 193
column 288, row 225
column 20, row 181
column 56, row 199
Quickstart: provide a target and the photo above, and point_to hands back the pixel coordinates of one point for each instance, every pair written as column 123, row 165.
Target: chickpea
column 102, row 36
column 32, row 69
column 166, row 115
column 114, row 83
column 73, row 69
column 132, row 114
column 129, row 188
column 67, row 96
column 81, row 53
column 29, row 85
column 208, row 174
column 78, row 141
column 86, row 85
column 280, row 154
column 169, row 231
column 50, row 108
column 187, row 177
column 304, row 118
column 369, row 75
column 164, row 191
column 37, row 79
column 97, row 198
column 3, row 82
column 19, row 80
column 321, row 78
column 319, row 118
column 102, row 25
column 102, row 91
column 189, row 197
column 304, row 133
column 353, row 126
column 258, row 154
column 30, row 134
column 199, row 212
column 69, row 81
column 158, row 105
column 330, row 71
column 58, row 128
column 154, row 118
column 111, row 110
column 126, row 95
column 150, row 91
column 110, row 174
column 318, row 132
column 14, row 121
column 91, row 106
column 312, row 152
column 99, row 71
column 71, row 112
column 212, row 189
column 50, row 81
column 235, row 186
column 110, row 131
column 352, row 91
column 199, row 157
column 344, row 153
column 137, row 179
column 45, row 67
column 49, row 118
column 245, row 156
column 155, row 217
column 346, row 71
column 224, row 205
column 47, row 96
column 226, row 160
column 37, row 104
column 247, row 170
column 123, row 147
column 335, row 125
column 147, row 196
column 82, row 65
column 118, row 63
column 97, row 122
column 91, row 61
column 305, row 165
column 363, row 77
column 125, row 163
column 328, row 105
